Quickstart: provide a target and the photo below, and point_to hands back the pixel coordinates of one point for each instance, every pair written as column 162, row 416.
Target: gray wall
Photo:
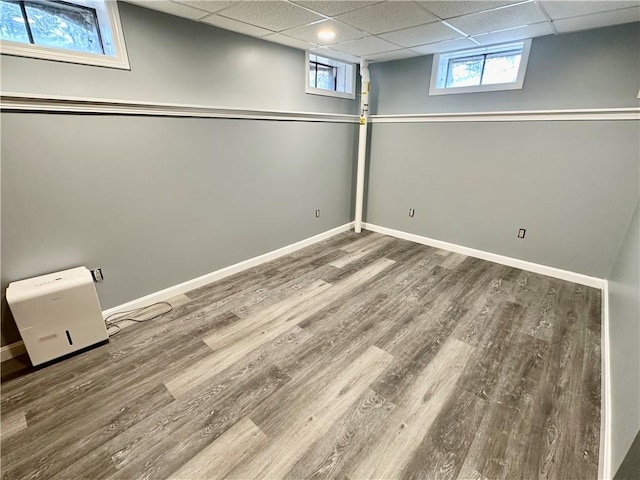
column 572, row 185
column 624, row 330
column 158, row 201
column 592, row 69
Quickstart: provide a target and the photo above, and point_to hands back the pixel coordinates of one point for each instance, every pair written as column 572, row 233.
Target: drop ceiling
column 388, row 30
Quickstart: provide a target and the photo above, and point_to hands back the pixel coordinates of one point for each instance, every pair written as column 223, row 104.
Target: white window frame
column 442, row 59
column 328, row 93
column 119, row 60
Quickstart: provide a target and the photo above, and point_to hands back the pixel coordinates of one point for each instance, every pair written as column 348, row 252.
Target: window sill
column 476, row 89
column 329, row 93
column 67, row 56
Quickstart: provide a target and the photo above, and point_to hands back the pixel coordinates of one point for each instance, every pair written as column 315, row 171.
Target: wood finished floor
column 360, row 357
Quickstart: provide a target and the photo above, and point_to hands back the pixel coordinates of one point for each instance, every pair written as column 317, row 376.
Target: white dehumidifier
column 57, row 314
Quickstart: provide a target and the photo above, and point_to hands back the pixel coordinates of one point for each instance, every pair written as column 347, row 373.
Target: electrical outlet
column 412, row 212
column 521, row 233
column 96, row 273
column 318, row 213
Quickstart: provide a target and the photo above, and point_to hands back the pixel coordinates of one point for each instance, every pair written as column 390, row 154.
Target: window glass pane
column 326, row 77
column 464, row 72
column 322, row 76
column 12, row 26
column 501, row 68
column 64, row 27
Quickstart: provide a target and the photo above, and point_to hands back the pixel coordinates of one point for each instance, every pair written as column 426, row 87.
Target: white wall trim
column 17, row 348
column 492, row 257
column 20, row 102
column 604, row 463
column 593, row 114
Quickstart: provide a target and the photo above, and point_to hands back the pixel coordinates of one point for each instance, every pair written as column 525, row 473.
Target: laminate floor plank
column 301, row 427
column 361, row 356
column 414, row 414
column 334, row 453
column 141, row 369
column 12, row 423
column 226, row 452
column 365, row 249
column 163, row 442
column 443, row 450
column 34, row 459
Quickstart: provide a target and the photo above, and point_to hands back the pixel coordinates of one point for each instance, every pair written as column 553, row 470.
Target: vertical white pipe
column 362, row 142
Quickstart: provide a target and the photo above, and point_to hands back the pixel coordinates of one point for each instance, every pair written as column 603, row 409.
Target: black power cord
column 128, row 314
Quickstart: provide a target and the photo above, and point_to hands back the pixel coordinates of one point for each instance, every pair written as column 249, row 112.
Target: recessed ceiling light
column 326, row 35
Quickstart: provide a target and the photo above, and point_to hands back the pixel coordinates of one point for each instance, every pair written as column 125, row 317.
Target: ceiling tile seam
column 447, row 24
column 219, row 13
column 440, row 42
column 191, row 7
column 524, row 2
column 226, row 8
column 506, row 29
column 338, row 14
column 599, row 13
column 547, row 16
column 238, row 21
column 461, row 32
column 400, row 47
column 325, row 17
column 366, row 34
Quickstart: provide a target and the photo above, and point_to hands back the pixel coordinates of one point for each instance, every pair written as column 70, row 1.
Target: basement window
column 326, row 76
column 484, row 69
column 76, row 31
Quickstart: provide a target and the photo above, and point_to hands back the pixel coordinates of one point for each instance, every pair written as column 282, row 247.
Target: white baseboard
column 604, row 463
column 17, row 348
column 492, row 257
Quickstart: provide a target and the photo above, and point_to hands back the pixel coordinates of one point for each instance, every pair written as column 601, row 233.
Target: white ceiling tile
column 448, row 9
column 508, row 17
column 387, row 16
column 235, row 26
column 569, row 8
column 275, row 16
column 172, row 8
column 365, row 46
column 395, row 55
column 210, row 6
column 328, row 52
column 335, row 7
column 596, row 20
column 309, row 33
column 422, row 34
column 440, row 47
column 519, row 33
column 288, row 41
